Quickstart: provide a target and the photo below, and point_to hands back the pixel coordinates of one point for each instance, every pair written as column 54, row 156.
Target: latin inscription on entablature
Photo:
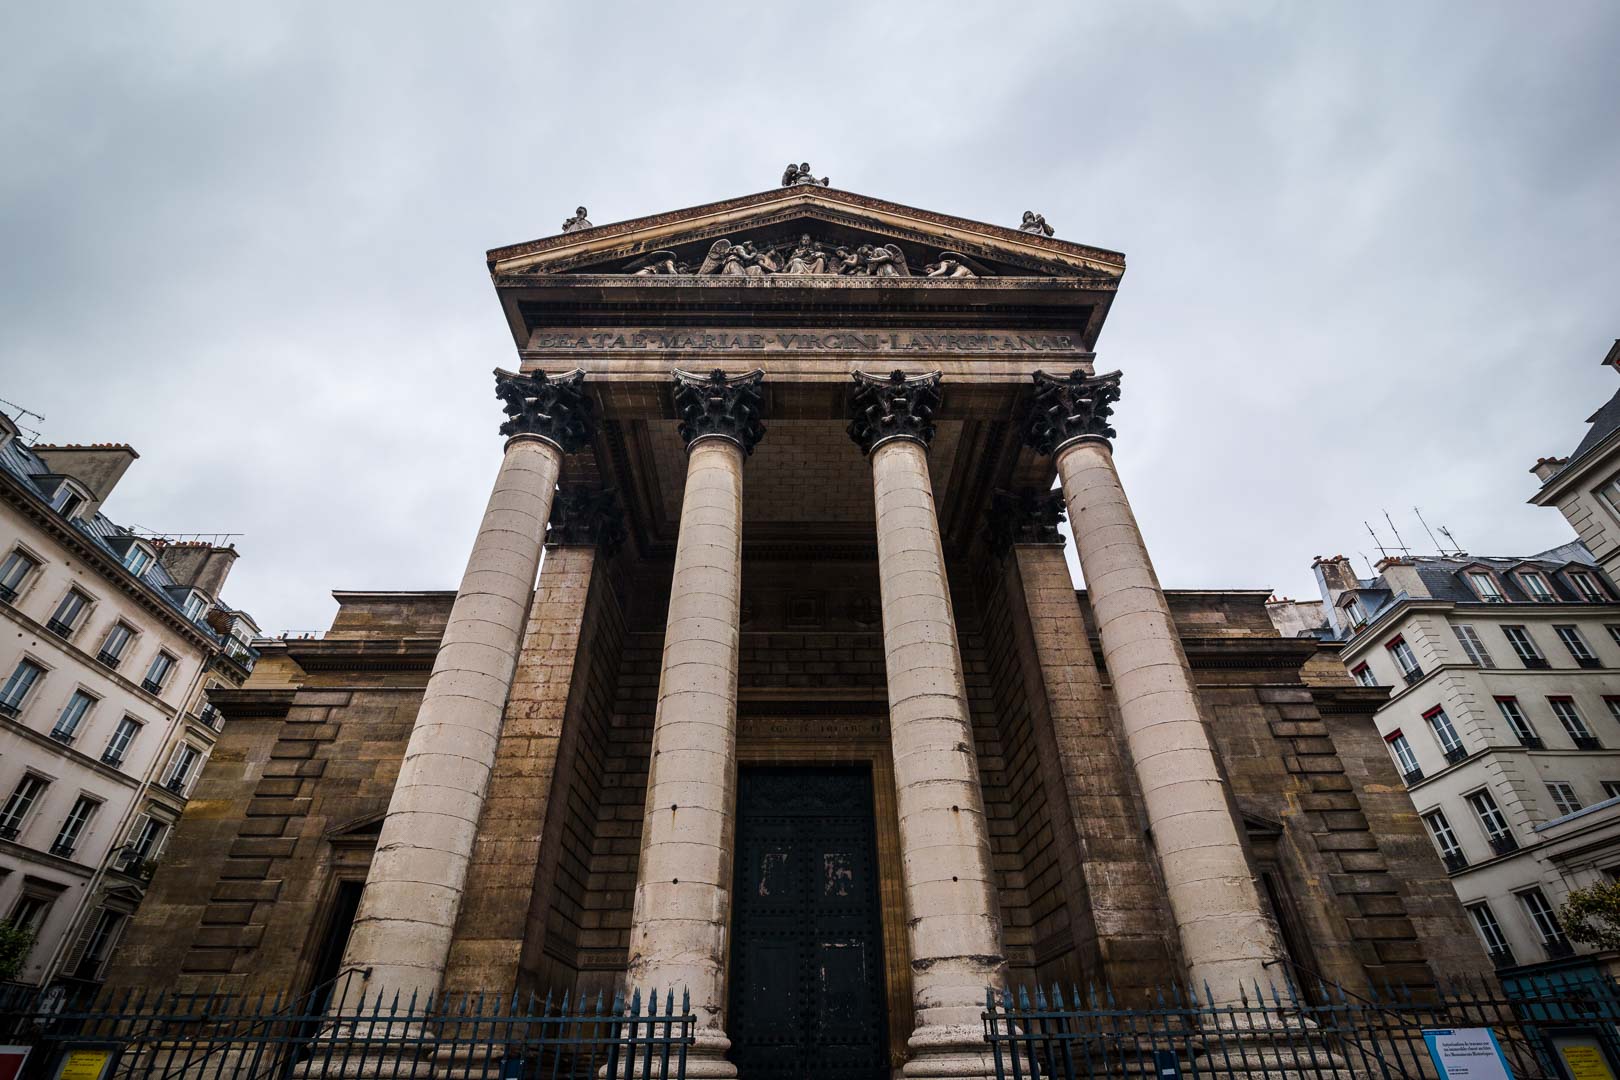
column 799, row 342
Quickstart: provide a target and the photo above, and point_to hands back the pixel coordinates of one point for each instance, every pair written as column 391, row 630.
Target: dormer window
column 196, row 606
column 1536, row 587
column 1484, row 585
column 1587, row 587
column 68, row 500
column 137, row 559
column 1355, row 612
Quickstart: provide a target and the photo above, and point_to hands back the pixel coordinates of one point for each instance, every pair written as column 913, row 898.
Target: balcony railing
column 1558, row 948
column 109, row 659
column 8, row 709
column 1531, row 742
column 112, row 757
column 9, row 832
column 1503, row 957
column 7, row 594
column 151, row 686
column 62, row 849
column 1455, row 861
column 1537, row 662
column 59, row 628
column 176, row 784
column 1412, row 776
column 1456, row 754
column 63, row 736
column 1412, row 676
column 1503, row 843
column 1586, row 742
column 1589, row 661
column 211, row 716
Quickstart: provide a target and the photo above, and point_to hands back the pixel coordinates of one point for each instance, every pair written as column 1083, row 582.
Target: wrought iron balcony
column 1455, row 861
column 1558, row 948
column 1586, row 742
column 9, row 832
column 109, row 659
column 1456, row 754
column 1504, row 844
column 62, row 849
column 62, row 736
column 7, row 594
column 176, row 784
column 1503, row 957
column 1537, row 662
column 211, row 716
column 111, row 757
column 1412, row 676
column 8, row 709
column 1531, row 742
column 1589, row 661
column 1412, row 776
column 59, row 628
column 151, row 686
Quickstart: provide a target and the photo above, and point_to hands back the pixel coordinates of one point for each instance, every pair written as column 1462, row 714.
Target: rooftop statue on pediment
column 1035, row 223
column 794, row 175
column 577, row 222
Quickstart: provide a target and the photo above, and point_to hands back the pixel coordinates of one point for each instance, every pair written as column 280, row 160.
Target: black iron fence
column 1553, row 1030
column 130, row 1035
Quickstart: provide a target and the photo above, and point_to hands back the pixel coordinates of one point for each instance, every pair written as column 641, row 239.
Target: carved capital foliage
column 586, row 516
column 1026, row 516
column 1070, row 407
column 716, row 404
column 893, row 406
column 557, row 409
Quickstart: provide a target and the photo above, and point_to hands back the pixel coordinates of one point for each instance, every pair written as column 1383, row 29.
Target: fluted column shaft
column 413, row 891
column 1226, row 937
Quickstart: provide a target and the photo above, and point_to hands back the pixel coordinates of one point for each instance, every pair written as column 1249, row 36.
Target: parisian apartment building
column 1503, row 716
column 112, row 639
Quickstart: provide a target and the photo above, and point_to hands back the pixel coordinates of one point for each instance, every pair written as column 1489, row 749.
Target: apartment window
column 29, row 912
column 99, row 945
column 68, row 612
column 122, row 736
column 1614, row 705
column 13, row 572
column 118, row 639
column 146, row 839
column 1446, row 735
column 1587, row 587
column 1490, row 932
column 73, row 714
column 68, row 500
column 1363, row 675
column 1405, row 760
column 1535, row 587
column 1563, row 797
column 1525, row 646
column 1491, row 819
column 1611, row 789
column 1546, row 922
column 196, row 604
column 1450, row 851
column 1404, row 659
column 84, row 808
column 1518, row 722
column 137, row 559
column 1485, row 587
column 1614, row 633
column 185, row 760
column 1571, row 637
column 162, row 664
column 1472, row 646
column 1574, row 725
column 23, row 679
column 1355, row 612
column 23, row 797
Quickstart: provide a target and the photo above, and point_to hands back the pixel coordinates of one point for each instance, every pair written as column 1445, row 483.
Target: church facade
column 804, row 713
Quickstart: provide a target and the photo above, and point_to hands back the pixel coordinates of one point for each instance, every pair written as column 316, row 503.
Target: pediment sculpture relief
column 804, row 256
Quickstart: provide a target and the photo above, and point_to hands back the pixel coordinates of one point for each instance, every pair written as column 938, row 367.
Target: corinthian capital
column 1070, row 407
column 720, row 406
column 557, row 410
column 893, row 406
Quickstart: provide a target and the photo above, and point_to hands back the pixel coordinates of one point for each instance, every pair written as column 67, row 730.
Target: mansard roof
column 787, row 210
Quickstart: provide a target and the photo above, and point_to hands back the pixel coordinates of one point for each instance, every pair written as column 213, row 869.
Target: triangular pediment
column 811, row 232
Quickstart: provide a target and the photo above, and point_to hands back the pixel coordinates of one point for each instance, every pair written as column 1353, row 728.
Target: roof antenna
column 1428, row 530
column 1373, row 569
column 1405, row 551
column 1456, row 548
column 1382, row 553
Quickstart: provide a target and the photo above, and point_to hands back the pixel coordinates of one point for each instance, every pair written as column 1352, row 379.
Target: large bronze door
column 807, row 990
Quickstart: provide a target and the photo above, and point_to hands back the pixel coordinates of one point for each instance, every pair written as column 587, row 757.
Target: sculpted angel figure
column 886, row 261
column 846, row 261
column 1035, row 223
column 577, row 222
column 953, row 264
column 657, row 262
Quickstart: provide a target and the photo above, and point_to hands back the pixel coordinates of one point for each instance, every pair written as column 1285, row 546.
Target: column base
column 950, row 1051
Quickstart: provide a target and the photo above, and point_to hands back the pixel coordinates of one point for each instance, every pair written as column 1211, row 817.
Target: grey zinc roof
column 27, row 467
column 1604, row 422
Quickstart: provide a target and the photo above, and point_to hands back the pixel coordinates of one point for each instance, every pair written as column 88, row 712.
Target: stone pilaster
column 954, row 920
column 413, row 892
column 683, row 885
column 1227, row 939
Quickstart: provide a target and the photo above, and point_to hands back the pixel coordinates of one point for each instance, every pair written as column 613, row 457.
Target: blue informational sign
column 1467, row 1054
column 1166, row 1065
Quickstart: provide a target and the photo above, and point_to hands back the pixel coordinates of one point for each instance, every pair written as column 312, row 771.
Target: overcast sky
column 1374, row 250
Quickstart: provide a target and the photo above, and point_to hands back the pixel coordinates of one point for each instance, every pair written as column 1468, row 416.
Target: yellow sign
column 90, row 1064
column 1586, row 1062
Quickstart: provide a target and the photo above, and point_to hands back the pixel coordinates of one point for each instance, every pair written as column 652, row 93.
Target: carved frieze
column 585, row 516
column 1026, row 516
column 893, row 406
column 805, row 255
column 1070, row 407
column 557, row 409
column 718, row 405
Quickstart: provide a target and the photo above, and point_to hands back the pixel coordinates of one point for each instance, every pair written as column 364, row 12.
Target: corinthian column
column 954, row 921
column 683, row 886
column 1226, row 937
column 413, row 890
